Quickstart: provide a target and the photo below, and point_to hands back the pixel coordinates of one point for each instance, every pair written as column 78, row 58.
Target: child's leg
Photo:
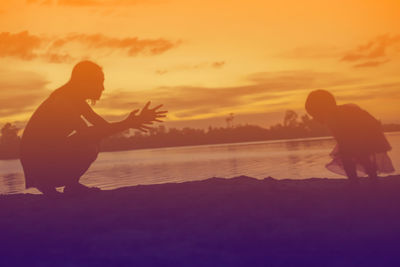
column 349, row 167
column 369, row 166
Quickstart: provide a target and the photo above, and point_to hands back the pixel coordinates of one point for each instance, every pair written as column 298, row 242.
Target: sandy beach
column 215, row 222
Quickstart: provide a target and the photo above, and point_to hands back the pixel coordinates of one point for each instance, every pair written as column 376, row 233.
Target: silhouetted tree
column 9, row 141
column 229, row 120
column 290, row 119
column 292, row 127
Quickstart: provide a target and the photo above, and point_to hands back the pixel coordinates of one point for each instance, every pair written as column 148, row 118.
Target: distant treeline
column 292, row 127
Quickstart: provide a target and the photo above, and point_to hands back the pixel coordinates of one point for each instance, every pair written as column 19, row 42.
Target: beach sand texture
column 215, row 222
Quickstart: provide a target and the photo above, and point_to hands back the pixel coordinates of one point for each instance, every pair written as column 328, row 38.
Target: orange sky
column 204, row 59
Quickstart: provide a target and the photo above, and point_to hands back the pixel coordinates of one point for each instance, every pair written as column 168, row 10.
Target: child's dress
column 358, row 134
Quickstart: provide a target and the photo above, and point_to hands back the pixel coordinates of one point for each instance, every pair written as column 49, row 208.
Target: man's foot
column 49, row 191
column 79, row 189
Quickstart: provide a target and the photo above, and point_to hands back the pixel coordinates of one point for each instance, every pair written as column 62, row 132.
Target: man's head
column 321, row 105
column 88, row 78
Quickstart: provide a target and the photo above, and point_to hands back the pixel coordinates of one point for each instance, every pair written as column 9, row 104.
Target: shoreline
column 240, row 221
column 294, row 139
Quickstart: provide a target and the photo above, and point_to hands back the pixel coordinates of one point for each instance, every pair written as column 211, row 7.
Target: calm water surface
column 296, row 159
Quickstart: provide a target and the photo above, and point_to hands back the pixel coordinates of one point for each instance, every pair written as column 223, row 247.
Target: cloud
column 302, row 79
column 185, row 102
column 132, row 45
column 218, row 64
column 204, row 65
column 267, row 92
column 370, row 64
column 313, row 52
column 21, row 45
column 367, row 92
column 91, row 3
column 57, row 57
column 28, row 46
column 20, row 91
column 374, row 53
column 161, row 72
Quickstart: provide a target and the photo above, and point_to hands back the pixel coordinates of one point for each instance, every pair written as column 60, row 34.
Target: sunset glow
column 203, row 59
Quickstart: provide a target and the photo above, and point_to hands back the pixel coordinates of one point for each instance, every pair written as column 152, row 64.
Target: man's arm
column 101, row 128
column 91, row 116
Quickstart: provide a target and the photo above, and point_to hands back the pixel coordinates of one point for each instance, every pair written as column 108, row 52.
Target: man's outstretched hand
column 146, row 117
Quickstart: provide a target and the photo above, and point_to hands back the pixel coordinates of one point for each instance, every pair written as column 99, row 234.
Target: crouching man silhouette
column 58, row 146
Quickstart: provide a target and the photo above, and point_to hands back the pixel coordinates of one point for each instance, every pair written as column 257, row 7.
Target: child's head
column 320, row 104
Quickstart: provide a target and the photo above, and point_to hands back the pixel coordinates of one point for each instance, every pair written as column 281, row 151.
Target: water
column 295, row 159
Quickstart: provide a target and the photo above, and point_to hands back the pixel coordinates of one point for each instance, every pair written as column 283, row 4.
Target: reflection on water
column 296, row 159
column 10, row 182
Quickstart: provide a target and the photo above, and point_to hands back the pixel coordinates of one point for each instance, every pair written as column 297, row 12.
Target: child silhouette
column 361, row 145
